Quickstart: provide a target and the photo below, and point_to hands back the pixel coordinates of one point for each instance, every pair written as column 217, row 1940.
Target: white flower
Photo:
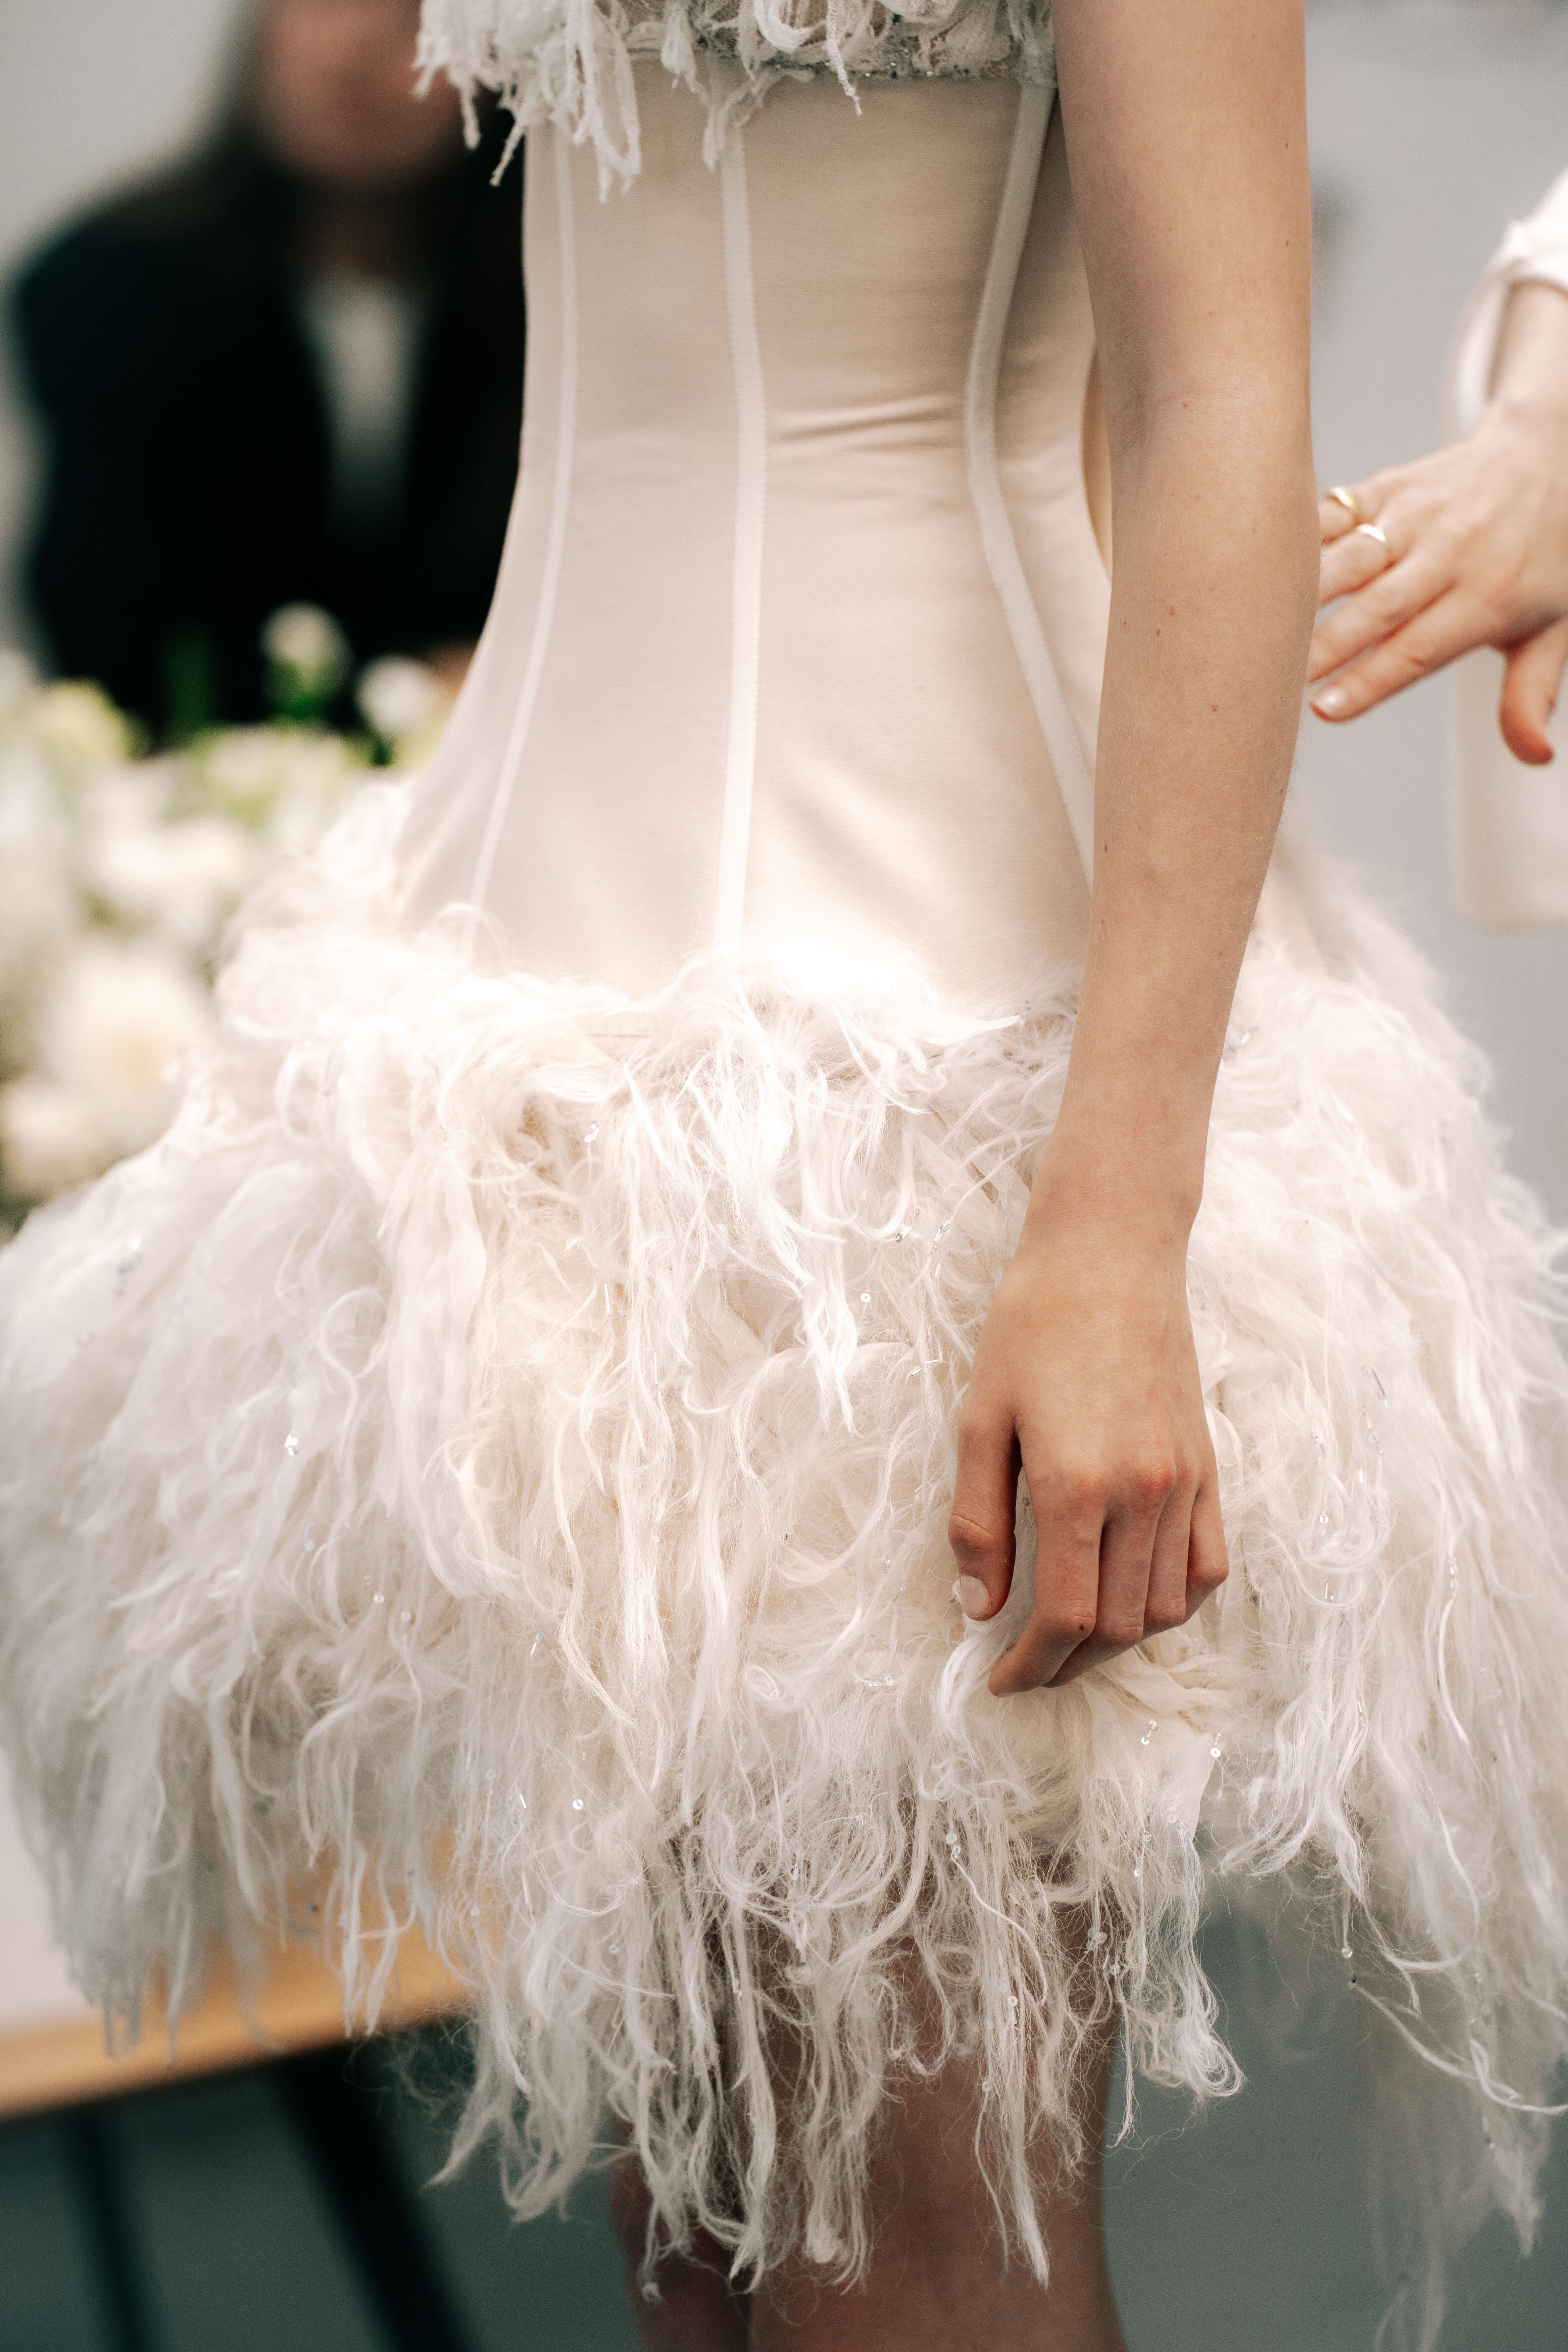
column 77, row 727
column 114, row 1031
column 252, row 771
column 320, row 774
column 135, row 794
column 239, row 769
column 183, row 879
column 407, row 704
column 399, row 697
column 38, row 910
column 18, row 677
column 304, row 640
column 50, row 1137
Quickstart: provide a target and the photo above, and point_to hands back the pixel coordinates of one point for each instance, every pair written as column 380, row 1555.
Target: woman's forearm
column 1211, row 613
column 1183, row 122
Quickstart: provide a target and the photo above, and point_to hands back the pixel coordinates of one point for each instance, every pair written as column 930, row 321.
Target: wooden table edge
column 60, row 2063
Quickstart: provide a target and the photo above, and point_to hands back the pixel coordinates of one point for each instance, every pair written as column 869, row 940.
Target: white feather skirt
column 489, row 1465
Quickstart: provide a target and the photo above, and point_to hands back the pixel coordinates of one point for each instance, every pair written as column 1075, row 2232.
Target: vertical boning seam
column 1073, row 778
column 561, row 492
column 746, row 592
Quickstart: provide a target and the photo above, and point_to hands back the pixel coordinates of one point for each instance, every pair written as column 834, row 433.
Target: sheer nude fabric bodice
column 801, row 620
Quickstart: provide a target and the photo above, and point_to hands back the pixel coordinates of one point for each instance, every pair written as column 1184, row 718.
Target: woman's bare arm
column 1186, row 131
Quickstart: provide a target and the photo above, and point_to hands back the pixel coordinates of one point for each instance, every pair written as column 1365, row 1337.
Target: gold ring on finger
column 1372, row 531
column 1340, row 496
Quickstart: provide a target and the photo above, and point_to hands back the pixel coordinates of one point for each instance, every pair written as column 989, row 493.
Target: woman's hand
column 1084, row 1375
column 1477, row 548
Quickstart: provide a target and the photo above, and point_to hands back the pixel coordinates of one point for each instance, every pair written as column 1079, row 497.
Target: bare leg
column 698, row 2311
column 936, row 2282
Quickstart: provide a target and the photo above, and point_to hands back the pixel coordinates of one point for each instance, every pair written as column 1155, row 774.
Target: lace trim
column 570, row 61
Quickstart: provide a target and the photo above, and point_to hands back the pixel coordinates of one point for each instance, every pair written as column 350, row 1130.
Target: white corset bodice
column 800, row 624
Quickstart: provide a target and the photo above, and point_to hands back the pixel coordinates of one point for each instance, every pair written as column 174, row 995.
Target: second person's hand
column 1467, row 547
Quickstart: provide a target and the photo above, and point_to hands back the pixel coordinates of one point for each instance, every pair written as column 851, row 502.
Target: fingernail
column 1331, row 702
column 973, row 1597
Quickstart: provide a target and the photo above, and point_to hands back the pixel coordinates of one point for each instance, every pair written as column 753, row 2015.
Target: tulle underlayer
column 490, row 1464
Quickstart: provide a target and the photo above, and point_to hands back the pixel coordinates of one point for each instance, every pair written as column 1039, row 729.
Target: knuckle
column 1208, row 1575
column 1067, row 1624
column 1153, row 1482
column 973, row 1429
column 1409, row 657
column 1162, row 1616
column 1119, row 1630
column 972, row 1537
column 1085, row 1491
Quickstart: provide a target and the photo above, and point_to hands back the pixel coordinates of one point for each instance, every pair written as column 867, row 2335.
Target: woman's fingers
column 1384, row 578
column 1532, row 677
column 1368, row 619
column 981, row 1529
column 1361, row 502
column 1208, row 1563
column 1127, row 1548
column 1355, row 561
column 1166, row 1605
column 1450, row 625
column 1151, row 1566
column 1334, row 519
column 1068, row 1591
column 1373, row 608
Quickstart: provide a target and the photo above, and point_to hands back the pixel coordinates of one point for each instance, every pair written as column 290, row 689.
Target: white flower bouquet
column 117, row 873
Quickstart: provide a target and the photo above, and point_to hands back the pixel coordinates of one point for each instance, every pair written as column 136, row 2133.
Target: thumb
column 1532, row 674
column 984, row 1499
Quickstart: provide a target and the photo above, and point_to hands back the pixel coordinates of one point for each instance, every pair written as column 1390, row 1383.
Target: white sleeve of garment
column 1509, row 823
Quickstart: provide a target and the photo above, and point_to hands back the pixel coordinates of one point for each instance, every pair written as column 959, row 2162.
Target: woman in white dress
column 809, row 1046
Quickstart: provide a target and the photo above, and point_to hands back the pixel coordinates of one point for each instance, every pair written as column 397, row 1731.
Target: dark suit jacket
column 188, row 444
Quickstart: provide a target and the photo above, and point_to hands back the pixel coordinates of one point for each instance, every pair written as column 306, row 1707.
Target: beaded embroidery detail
column 570, row 61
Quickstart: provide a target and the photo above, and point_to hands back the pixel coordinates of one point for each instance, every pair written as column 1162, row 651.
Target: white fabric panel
column 765, row 444
column 1509, row 823
column 750, row 494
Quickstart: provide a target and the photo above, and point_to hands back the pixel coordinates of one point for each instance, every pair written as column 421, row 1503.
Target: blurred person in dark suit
column 286, row 371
